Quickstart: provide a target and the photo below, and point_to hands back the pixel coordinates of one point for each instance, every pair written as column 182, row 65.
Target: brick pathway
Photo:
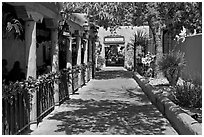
column 112, row 103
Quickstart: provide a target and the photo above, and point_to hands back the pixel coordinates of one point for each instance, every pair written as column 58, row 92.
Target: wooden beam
column 37, row 7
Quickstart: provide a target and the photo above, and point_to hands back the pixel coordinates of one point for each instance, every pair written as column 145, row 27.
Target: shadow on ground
column 118, row 110
column 112, row 74
column 109, row 117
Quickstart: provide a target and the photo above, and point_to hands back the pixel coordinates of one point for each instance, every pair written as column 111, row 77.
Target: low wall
column 183, row 123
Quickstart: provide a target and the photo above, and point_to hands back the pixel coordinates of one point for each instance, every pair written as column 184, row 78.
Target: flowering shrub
column 144, row 66
column 188, row 95
column 129, row 65
column 30, row 84
column 148, row 59
column 100, row 62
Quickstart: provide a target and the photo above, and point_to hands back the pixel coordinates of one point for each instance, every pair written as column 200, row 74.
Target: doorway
column 114, row 55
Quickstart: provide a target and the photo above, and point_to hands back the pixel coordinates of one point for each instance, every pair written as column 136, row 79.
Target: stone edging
column 181, row 121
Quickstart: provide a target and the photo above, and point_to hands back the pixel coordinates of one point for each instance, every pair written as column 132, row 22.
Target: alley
column 112, row 103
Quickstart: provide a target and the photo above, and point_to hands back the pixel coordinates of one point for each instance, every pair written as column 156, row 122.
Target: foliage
column 148, row 59
column 100, row 62
column 129, row 65
column 9, row 91
column 31, row 84
column 11, row 24
column 188, row 95
column 172, row 59
column 129, row 57
column 171, row 65
column 140, row 38
column 181, row 14
column 155, row 14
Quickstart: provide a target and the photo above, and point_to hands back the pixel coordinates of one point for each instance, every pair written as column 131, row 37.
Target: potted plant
column 100, row 62
column 171, row 65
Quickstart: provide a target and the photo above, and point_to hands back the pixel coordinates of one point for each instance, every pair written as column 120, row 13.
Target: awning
column 78, row 18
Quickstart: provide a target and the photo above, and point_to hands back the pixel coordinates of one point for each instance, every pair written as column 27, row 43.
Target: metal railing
column 15, row 109
column 64, row 83
column 45, row 98
column 16, row 99
column 75, row 78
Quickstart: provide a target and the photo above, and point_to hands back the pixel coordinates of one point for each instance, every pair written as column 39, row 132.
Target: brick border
column 183, row 123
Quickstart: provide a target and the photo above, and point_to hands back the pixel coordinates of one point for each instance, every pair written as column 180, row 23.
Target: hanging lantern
column 86, row 26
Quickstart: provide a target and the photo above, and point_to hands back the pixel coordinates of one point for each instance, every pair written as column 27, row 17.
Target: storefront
column 114, row 50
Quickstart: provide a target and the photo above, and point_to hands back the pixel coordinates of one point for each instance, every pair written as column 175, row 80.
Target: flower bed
column 162, row 85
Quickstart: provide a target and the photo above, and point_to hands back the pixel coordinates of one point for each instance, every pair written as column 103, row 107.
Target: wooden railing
column 16, row 99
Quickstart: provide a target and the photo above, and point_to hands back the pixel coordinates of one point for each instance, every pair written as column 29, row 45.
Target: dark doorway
column 114, row 55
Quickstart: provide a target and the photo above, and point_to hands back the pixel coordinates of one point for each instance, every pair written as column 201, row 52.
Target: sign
column 66, row 34
column 114, row 39
column 118, row 39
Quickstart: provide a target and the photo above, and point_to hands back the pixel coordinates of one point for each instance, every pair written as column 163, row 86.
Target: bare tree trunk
column 157, row 40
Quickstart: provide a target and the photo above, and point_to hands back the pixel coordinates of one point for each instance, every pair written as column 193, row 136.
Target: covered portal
column 114, row 50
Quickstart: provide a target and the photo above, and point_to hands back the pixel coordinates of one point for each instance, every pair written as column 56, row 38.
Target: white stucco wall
column 192, row 47
column 14, row 50
column 126, row 31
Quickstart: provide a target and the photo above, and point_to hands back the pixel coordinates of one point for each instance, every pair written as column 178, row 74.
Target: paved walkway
column 111, row 104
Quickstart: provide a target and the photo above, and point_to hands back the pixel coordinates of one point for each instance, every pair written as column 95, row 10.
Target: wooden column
column 134, row 58
column 103, row 54
column 93, row 58
column 79, row 58
column 69, row 53
column 55, row 63
column 86, row 59
column 69, row 62
column 90, row 56
column 30, row 42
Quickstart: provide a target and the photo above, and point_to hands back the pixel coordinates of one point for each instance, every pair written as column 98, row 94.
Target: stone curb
column 181, row 121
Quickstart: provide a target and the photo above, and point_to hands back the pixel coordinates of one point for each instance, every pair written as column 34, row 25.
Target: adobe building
column 42, row 42
column 115, row 44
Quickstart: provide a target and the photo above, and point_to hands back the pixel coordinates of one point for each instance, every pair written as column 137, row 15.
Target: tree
column 140, row 39
column 157, row 15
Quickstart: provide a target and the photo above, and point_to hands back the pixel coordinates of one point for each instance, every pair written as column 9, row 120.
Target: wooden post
column 69, row 53
column 30, row 42
column 86, row 59
column 90, row 56
column 93, row 58
column 134, row 57
column 79, row 58
column 55, row 63
column 103, row 55
column 69, row 62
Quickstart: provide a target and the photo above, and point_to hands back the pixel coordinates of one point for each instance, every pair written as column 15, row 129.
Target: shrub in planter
column 100, row 62
column 129, row 65
column 171, row 65
column 188, row 95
